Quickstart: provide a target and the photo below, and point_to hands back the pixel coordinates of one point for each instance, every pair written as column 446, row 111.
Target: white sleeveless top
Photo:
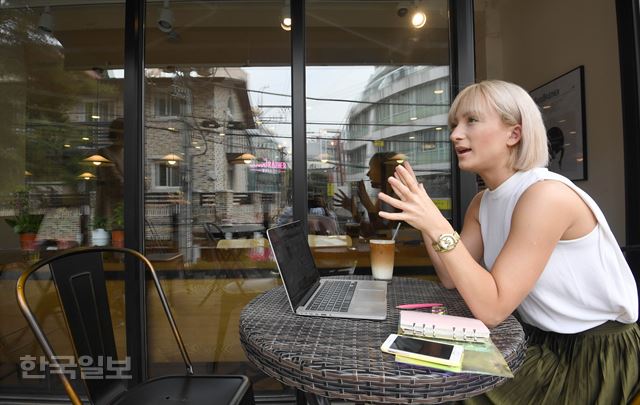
column 586, row 281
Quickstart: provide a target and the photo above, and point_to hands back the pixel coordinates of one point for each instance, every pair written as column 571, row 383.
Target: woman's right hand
column 340, row 199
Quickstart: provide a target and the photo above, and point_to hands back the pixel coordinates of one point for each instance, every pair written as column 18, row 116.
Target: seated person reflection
column 363, row 209
column 533, row 242
column 322, row 219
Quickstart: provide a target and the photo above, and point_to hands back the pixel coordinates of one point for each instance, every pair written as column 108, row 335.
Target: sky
column 337, row 82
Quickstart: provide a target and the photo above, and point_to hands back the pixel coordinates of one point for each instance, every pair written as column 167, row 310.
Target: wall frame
column 562, row 104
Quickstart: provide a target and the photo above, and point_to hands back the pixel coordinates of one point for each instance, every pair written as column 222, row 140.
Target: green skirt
column 597, row 366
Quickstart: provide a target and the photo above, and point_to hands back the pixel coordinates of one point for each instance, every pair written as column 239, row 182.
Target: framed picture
column 562, row 104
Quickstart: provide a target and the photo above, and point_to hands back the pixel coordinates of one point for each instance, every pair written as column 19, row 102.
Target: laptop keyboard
column 333, row 296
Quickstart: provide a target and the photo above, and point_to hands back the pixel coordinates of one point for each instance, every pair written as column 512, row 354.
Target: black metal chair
column 79, row 279
column 213, row 231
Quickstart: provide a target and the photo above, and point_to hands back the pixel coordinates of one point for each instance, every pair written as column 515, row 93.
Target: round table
column 341, row 358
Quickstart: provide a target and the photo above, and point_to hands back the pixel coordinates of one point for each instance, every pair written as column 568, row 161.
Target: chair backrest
column 79, row 279
column 82, row 291
column 213, row 231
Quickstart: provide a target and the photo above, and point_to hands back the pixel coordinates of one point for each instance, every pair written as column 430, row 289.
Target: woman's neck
column 494, row 178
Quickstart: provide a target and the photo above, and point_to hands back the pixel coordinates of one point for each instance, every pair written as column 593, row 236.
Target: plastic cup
column 382, row 256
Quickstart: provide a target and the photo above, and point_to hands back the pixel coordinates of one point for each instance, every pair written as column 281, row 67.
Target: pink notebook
column 424, row 324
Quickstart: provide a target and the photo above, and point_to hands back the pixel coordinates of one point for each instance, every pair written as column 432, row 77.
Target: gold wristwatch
column 446, row 242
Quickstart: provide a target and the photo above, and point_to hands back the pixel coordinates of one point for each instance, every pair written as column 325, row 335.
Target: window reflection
column 61, row 110
column 387, row 107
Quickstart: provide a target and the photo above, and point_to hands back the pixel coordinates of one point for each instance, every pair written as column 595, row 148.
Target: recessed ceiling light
column 66, row 145
column 413, row 118
column 412, row 137
column 419, row 19
column 84, row 138
column 438, row 128
column 438, row 91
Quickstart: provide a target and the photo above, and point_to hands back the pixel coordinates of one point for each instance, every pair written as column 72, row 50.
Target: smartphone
column 426, row 350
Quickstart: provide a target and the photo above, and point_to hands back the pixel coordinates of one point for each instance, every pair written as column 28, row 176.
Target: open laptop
column 310, row 295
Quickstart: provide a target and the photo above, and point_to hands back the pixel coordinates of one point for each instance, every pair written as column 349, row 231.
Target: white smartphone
column 426, row 350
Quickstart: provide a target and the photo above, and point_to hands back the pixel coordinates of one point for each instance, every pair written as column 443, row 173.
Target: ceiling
column 247, row 33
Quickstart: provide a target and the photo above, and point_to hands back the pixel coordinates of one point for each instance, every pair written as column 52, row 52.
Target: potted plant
column 26, row 225
column 117, row 226
column 99, row 236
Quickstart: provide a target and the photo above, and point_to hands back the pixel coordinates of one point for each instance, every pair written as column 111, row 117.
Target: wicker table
column 341, row 358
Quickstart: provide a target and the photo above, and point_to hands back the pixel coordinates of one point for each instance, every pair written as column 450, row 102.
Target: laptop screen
column 293, row 255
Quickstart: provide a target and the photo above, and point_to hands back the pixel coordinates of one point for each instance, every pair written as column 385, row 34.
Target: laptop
column 310, row 295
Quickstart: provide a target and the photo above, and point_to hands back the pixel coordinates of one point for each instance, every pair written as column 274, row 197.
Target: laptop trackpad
column 370, row 297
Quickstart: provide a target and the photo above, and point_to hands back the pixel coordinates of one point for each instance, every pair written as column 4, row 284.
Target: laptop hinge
column 307, row 296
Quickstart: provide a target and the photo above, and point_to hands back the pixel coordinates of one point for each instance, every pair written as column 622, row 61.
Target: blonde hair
column 515, row 106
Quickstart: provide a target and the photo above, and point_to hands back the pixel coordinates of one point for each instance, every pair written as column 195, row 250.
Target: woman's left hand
column 417, row 208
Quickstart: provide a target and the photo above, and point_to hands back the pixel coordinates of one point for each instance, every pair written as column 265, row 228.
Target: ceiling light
column 97, row 160
column 438, row 128
column 171, row 158
column 412, row 137
column 45, row 23
column 66, row 145
column 546, row 107
column 439, row 91
column 165, row 19
column 84, row 138
column 419, row 19
column 245, row 158
column 413, row 118
column 95, row 117
column 285, row 18
column 86, row 176
column 403, row 8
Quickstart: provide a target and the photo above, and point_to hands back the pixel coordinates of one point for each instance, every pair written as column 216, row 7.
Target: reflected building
column 208, row 159
column 404, row 110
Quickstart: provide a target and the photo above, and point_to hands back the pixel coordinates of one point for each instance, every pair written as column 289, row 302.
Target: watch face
column 447, row 242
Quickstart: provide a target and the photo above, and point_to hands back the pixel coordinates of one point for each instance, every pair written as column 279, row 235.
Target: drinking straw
column 396, row 231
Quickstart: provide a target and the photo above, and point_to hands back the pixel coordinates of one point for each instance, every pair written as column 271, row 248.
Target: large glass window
column 377, row 95
column 218, row 144
column 61, row 146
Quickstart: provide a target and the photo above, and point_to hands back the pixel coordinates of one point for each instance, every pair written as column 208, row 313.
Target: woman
column 365, row 211
column 548, row 250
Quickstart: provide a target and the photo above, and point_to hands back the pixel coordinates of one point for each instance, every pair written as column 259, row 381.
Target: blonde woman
column 535, row 243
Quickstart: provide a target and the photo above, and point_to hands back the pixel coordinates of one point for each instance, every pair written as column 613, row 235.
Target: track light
column 285, row 20
column 165, row 19
column 403, row 8
column 45, row 23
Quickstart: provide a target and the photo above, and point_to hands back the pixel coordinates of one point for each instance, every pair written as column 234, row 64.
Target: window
column 167, row 105
column 166, row 175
